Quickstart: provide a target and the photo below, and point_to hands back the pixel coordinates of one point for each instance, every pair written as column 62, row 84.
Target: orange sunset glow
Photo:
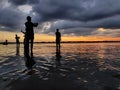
column 10, row 36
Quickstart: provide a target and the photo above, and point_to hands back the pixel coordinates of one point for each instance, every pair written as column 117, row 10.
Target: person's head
column 57, row 30
column 28, row 18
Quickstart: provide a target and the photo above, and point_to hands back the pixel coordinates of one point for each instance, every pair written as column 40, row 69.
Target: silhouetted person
column 6, row 42
column 29, row 34
column 58, row 56
column 29, row 37
column 58, row 38
column 17, row 44
column 17, row 39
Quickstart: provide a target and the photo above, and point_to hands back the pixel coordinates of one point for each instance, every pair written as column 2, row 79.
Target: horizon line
column 68, row 42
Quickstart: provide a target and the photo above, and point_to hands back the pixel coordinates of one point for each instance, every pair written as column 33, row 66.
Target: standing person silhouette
column 17, row 39
column 58, row 38
column 29, row 34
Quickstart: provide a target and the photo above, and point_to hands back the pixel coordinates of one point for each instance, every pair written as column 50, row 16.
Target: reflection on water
column 99, row 52
column 84, row 62
column 17, row 49
column 58, row 56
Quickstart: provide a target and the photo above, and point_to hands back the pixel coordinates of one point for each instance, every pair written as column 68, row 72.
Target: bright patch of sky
column 25, row 8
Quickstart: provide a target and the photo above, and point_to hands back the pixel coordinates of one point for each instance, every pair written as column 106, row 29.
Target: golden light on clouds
column 101, row 29
column 10, row 36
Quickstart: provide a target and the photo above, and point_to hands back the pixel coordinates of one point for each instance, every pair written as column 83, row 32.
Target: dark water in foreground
column 85, row 66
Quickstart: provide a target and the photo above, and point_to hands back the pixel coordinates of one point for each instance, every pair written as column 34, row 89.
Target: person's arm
column 22, row 32
column 35, row 24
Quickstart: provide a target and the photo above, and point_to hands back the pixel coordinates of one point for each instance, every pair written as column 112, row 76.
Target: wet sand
column 72, row 70
column 83, row 75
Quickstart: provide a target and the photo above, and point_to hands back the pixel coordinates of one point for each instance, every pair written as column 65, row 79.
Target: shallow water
column 91, row 64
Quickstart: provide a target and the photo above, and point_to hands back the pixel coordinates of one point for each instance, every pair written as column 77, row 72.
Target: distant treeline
column 71, row 42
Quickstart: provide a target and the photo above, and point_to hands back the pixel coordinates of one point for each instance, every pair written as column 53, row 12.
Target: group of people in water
column 29, row 40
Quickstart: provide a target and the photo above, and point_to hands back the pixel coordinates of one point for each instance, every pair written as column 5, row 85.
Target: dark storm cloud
column 10, row 19
column 71, row 14
column 80, row 10
column 80, row 17
column 110, row 22
column 56, row 10
column 22, row 2
column 18, row 2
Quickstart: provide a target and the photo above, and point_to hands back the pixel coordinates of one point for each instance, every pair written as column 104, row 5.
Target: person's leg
column 32, row 41
column 59, row 45
column 26, row 47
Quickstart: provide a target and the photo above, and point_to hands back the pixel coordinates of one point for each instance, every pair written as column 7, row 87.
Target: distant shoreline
column 71, row 42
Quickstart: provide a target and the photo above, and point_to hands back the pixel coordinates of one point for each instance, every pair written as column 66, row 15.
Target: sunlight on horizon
column 10, row 36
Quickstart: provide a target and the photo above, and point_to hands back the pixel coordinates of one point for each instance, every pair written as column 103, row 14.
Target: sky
column 77, row 20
